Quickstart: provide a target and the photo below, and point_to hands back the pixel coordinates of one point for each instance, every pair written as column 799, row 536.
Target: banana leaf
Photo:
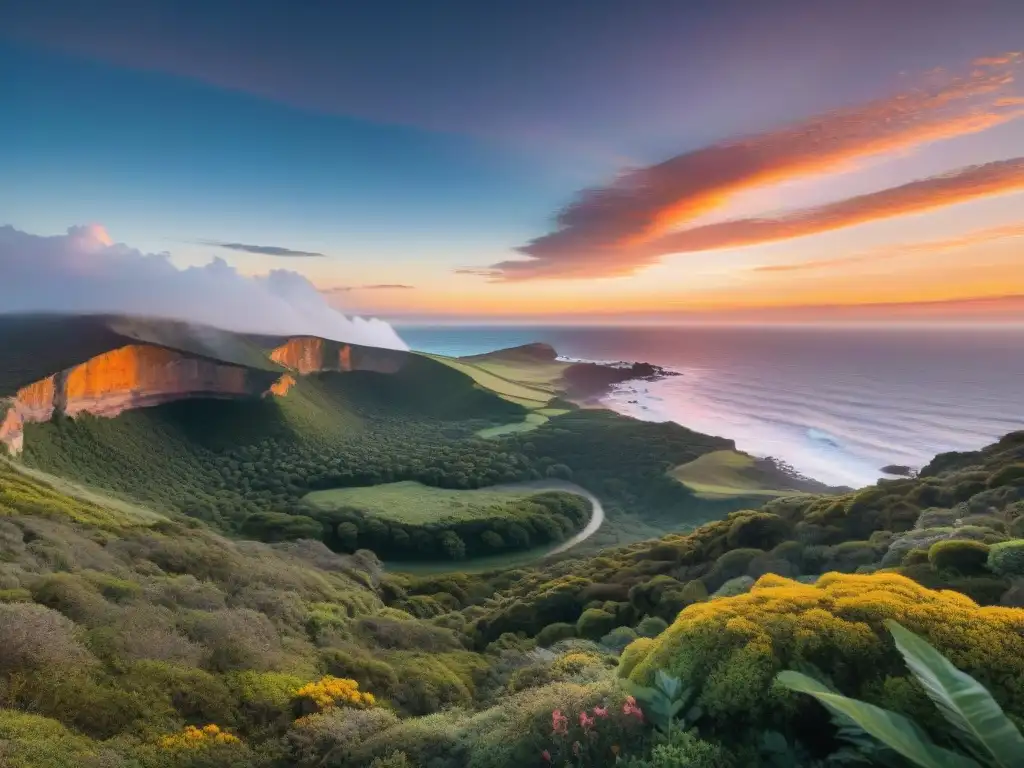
column 894, row 730
column 965, row 703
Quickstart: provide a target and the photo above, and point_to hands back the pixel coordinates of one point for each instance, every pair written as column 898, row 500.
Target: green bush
column 32, row 741
column 734, row 587
column 1010, row 475
column 595, row 622
column 1007, row 558
column 761, row 530
column 633, row 654
column 960, row 555
column 552, row 633
column 373, row 674
column 730, row 565
column 619, row 638
column 682, row 748
column 651, row 626
column 916, row 557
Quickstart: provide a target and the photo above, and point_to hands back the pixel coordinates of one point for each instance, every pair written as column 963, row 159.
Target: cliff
column 308, row 354
column 133, row 376
column 137, row 376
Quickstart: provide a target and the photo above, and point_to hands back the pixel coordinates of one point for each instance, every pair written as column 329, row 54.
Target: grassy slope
column 411, row 502
column 727, row 474
column 24, row 491
column 526, row 395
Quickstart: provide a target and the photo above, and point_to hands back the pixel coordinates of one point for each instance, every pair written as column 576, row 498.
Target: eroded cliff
column 133, row 376
column 307, row 354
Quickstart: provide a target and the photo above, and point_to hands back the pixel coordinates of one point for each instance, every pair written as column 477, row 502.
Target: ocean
column 836, row 403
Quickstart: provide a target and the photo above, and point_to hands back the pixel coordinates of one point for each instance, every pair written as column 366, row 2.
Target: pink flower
column 546, row 756
column 576, row 748
column 559, row 722
column 600, row 712
column 631, row 709
column 586, row 721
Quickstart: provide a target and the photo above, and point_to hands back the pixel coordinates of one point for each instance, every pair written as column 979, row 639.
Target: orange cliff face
column 134, row 376
column 282, row 385
column 308, row 354
column 305, row 355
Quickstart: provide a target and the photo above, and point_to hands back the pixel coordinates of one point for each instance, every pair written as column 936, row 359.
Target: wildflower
column 334, row 691
column 546, row 756
column 197, row 738
column 559, row 723
column 631, row 709
column 615, row 749
column 586, row 721
column 600, row 712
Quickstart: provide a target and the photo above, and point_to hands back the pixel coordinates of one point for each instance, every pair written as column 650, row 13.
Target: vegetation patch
column 523, row 382
column 415, row 503
column 410, row 521
column 528, row 424
column 728, row 474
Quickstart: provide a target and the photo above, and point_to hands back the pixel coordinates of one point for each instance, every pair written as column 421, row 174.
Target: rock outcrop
column 137, row 376
column 133, row 376
column 309, row 354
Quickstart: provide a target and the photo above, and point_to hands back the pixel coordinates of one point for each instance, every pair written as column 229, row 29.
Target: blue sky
column 408, row 140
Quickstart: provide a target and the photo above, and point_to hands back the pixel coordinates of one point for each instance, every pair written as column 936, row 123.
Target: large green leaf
column 964, row 702
column 892, row 729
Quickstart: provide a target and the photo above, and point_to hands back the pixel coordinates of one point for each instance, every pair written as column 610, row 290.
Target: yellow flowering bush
column 198, row 738
column 574, row 662
column 332, row 691
column 732, row 648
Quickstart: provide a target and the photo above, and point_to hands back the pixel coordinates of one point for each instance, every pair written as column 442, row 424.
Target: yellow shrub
column 335, row 691
column 732, row 648
column 575, row 661
column 198, row 738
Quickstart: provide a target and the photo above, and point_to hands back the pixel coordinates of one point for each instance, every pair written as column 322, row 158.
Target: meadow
column 415, row 503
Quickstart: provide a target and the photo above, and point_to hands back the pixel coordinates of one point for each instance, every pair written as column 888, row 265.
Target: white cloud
column 85, row 271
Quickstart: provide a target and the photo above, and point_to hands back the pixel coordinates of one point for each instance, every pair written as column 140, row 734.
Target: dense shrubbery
column 540, row 519
column 731, row 650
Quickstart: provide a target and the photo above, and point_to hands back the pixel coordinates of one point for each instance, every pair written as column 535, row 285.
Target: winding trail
column 517, row 559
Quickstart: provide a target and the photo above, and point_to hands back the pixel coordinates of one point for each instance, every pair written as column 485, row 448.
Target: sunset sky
column 556, row 161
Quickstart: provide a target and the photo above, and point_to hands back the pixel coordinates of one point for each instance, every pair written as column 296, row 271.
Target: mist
column 84, row 271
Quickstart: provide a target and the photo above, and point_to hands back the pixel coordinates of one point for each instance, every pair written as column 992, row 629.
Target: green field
column 414, row 503
column 526, row 395
column 728, row 474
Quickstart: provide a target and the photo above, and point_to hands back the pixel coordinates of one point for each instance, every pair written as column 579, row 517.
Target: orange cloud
column 995, row 61
column 960, row 186
column 614, row 230
column 971, row 239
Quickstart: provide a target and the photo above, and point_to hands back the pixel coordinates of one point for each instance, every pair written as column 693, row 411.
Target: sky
column 580, row 161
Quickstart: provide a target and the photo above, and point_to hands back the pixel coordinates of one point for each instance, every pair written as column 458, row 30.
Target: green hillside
column 246, row 466
column 730, row 474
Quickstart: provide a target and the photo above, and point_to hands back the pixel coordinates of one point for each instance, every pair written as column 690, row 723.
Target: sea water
column 837, row 403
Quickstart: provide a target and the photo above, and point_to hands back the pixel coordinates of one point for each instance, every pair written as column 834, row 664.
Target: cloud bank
column 264, row 250
column 84, row 271
column 619, row 228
